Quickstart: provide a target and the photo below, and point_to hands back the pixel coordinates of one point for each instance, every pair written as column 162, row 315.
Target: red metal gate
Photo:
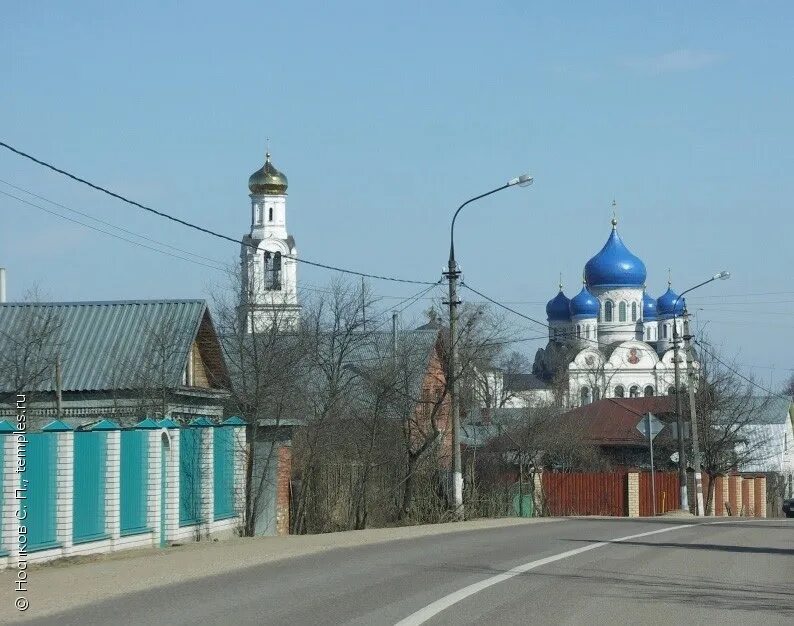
column 584, row 494
column 666, row 493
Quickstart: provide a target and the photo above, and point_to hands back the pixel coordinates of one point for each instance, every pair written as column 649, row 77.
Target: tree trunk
column 410, row 485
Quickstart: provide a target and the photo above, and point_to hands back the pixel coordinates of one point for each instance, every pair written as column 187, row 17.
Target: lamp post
column 452, row 274
column 684, row 502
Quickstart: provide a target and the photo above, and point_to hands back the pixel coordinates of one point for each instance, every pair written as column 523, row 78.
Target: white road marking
column 433, row 609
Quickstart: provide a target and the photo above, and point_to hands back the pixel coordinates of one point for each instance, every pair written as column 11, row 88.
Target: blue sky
column 385, row 116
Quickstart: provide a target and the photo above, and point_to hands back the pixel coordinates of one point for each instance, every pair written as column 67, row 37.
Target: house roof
column 523, row 382
column 613, row 421
column 105, row 345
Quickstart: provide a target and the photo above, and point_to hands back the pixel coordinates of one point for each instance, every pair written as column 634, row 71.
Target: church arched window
column 648, row 391
column 620, row 391
column 633, row 311
column 596, row 394
column 277, row 270
column 270, row 214
column 272, row 271
column 634, row 392
column 664, row 331
column 608, row 307
column 585, row 395
column 578, row 331
column 622, row 312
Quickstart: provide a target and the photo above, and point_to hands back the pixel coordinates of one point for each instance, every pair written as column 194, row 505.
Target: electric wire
column 197, row 227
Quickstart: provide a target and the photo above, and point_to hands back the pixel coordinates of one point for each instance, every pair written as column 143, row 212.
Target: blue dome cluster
column 585, row 304
column 615, row 265
column 670, row 304
column 649, row 310
column 557, row 308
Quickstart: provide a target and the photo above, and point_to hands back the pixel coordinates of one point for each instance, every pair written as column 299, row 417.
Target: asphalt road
column 567, row 572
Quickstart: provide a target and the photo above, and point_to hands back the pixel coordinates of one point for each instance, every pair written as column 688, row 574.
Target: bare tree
column 266, row 368
column 727, row 411
column 32, row 344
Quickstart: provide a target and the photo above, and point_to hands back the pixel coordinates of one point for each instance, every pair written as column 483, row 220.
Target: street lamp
column 452, row 274
column 684, row 502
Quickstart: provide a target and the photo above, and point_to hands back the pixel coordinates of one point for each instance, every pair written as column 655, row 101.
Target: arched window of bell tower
column 270, row 214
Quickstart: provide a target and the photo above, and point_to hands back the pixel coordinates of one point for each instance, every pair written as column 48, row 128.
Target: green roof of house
column 103, row 345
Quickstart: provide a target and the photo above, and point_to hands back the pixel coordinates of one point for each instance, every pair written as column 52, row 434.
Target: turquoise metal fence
column 189, row 476
column 39, row 472
column 134, row 470
column 223, row 478
column 90, row 456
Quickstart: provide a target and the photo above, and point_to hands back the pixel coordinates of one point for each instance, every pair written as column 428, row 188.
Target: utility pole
column 693, row 417
column 679, row 420
column 452, row 275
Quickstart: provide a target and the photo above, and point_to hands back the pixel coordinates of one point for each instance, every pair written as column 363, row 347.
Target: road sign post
column 650, row 426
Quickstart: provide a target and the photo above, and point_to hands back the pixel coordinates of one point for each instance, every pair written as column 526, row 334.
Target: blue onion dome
column 669, row 303
column 585, row 304
column 615, row 265
column 557, row 308
column 648, row 307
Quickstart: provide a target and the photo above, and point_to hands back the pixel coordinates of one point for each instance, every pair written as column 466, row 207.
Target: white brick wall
column 64, row 442
column 207, row 474
column 153, row 488
column 64, row 489
column 113, row 484
column 9, row 523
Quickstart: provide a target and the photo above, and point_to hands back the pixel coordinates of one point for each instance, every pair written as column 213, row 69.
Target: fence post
column 633, row 492
column 725, row 494
column 171, row 499
column 207, row 470
column 152, row 475
column 64, row 482
column 112, row 477
column 8, row 521
column 240, row 448
column 760, row 496
column 749, row 503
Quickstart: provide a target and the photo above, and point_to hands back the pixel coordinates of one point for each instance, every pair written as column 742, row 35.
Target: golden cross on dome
column 614, row 213
column 560, row 281
column 669, row 277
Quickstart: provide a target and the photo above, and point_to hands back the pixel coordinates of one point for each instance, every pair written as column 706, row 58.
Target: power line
column 100, row 221
column 737, row 372
column 196, row 226
column 100, row 230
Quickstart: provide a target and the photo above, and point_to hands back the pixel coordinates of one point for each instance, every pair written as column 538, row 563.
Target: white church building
column 619, row 336
column 268, row 256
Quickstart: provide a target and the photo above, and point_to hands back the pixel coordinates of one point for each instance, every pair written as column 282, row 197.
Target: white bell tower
column 269, row 255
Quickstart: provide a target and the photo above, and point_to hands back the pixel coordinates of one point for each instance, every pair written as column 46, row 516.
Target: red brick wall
column 283, row 474
column 433, row 386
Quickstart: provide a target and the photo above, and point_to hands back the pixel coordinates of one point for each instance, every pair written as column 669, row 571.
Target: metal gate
column 39, row 473
column 134, row 470
column 90, row 452
column 190, row 475
column 223, row 472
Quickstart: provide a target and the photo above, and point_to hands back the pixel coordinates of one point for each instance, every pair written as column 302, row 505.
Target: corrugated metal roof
column 103, row 345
